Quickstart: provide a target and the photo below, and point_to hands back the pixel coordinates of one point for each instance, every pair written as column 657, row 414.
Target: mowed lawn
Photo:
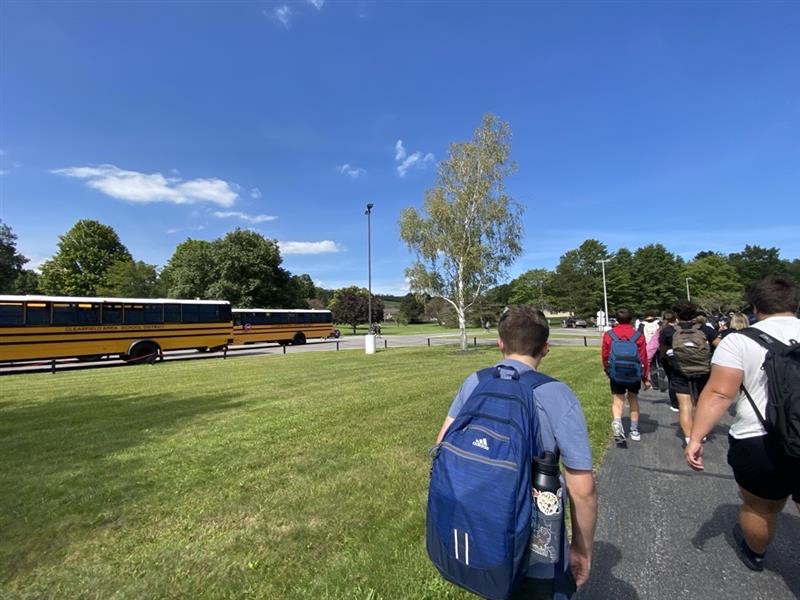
column 297, row 476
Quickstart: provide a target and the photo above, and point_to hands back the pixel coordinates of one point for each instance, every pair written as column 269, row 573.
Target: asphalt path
column 664, row 531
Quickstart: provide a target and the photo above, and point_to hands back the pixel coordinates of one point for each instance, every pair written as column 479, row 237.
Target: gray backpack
column 691, row 351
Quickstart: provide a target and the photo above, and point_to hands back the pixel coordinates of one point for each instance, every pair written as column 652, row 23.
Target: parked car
column 574, row 322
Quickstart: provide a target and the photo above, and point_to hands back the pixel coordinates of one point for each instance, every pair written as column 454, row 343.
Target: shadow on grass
column 783, row 555
column 70, row 467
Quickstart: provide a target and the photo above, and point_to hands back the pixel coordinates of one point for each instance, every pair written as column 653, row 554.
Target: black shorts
column 621, row 388
column 763, row 470
column 680, row 384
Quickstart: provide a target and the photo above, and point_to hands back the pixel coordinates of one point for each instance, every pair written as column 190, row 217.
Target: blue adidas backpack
column 624, row 363
column 479, row 499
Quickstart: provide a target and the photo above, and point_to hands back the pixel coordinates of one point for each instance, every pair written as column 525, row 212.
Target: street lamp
column 688, row 295
column 370, row 343
column 603, row 262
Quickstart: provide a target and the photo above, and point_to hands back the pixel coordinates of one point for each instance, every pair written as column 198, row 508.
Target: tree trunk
column 462, row 325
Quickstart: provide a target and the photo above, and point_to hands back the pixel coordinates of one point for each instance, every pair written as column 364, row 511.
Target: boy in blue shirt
column 523, row 332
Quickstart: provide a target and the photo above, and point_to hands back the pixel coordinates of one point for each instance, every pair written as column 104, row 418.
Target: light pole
column 603, row 262
column 368, row 212
column 688, row 295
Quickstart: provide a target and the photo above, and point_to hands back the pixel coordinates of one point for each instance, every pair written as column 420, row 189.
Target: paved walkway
column 664, row 531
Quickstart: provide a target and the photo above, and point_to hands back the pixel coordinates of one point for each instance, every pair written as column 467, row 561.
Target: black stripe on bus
column 120, row 331
column 111, row 339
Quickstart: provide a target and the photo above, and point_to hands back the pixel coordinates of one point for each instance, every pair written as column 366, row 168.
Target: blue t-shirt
column 561, row 420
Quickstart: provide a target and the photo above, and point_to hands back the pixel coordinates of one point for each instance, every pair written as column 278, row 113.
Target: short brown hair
column 624, row 315
column 774, row 295
column 524, row 330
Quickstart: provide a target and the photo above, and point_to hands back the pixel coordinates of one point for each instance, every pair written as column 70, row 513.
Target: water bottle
column 547, row 511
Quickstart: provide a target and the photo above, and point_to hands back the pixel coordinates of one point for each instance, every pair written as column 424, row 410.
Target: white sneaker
column 618, row 431
column 635, row 435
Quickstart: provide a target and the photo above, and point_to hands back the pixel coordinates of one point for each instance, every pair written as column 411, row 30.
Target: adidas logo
column 481, row 443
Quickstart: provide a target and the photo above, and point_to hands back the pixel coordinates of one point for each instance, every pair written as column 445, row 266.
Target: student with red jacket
column 625, row 331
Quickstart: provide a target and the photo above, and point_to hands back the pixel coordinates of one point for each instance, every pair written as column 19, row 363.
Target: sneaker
column 635, row 435
column 751, row 560
column 674, row 408
column 618, row 431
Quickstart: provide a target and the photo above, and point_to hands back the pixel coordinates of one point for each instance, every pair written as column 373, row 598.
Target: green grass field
column 297, row 476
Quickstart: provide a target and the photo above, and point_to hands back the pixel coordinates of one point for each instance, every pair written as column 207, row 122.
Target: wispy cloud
column 316, row 3
column 282, row 14
column 255, row 193
column 3, row 172
column 354, row 172
column 323, row 247
column 244, row 216
column 152, row 187
column 407, row 161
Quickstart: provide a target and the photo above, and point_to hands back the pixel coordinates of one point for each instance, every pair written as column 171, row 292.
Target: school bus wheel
column 144, row 352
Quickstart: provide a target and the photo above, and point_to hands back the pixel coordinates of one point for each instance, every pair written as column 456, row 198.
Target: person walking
column 767, row 476
column 669, row 322
column 690, row 346
column 522, row 339
column 624, row 382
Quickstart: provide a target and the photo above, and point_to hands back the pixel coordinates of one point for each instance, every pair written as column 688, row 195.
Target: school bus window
column 189, row 313
column 112, row 314
column 37, row 313
column 87, row 314
column 207, row 313
column 223, row 312
column 12, row 314
column 133, row 314
column 154, row 313
column 258, row 318
column 172, row 313
column 65, row 314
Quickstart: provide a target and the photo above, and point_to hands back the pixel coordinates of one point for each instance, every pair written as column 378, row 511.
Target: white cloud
column 283, row 14
column 407, row 161
column 323, row 247
column 245, row 217
column 171, row 231
column 153, row 187
column 399, row 151
column 316, row 3
column 354, row 172
column 255, row 193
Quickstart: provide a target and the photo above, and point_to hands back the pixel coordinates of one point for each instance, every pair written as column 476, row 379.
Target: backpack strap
column 770, row 343
column 636, row 335
column 614, row 337
column 763, row 338
column 534, row 379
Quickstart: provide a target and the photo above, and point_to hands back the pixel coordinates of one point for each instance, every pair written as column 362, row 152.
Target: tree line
column 242, row 267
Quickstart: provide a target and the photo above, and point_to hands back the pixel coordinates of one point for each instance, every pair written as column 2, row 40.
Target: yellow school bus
column 135, row 329
column 285, row 326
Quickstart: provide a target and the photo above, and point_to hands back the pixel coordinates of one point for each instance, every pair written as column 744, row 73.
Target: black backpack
column 782, row 367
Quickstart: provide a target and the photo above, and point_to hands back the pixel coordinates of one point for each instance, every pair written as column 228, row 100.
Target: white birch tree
column 469, row 230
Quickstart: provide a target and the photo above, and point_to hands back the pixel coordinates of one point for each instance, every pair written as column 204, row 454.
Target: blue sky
column 633, row 123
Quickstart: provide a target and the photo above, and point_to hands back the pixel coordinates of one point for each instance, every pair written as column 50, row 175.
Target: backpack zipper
column 504, row 464
column 489, row 432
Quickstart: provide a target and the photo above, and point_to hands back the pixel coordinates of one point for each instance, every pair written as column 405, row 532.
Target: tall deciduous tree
column 247, row 271
column 412, row 309
column 351, row 306
column 470, row 229
column 532, row 287
column 85, row 253
column 657, row 277
column 715, row 286
column 620, row 282
column 11, row 261
column 190, row 271
column 578, row 283
column 131, row 279
column 754, row 263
